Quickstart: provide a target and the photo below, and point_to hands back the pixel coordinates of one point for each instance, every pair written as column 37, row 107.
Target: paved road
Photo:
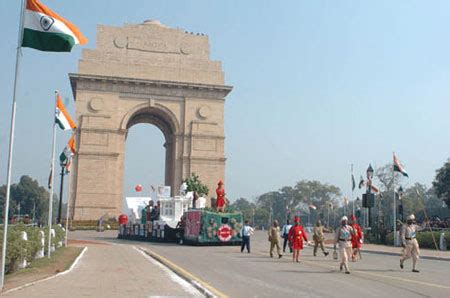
column 112, row 271
column 257, row 275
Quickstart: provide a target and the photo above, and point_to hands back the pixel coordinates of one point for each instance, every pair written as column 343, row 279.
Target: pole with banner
column 11, row 145
column 50, row 200
column 395, row 204
column 353, row 191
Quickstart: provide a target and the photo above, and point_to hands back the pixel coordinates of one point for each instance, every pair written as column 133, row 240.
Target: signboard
column 224, row 233
column 192, row 228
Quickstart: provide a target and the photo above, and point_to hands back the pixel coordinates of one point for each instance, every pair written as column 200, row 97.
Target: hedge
column 93, row 224
column 18, row 249
column 425, row 239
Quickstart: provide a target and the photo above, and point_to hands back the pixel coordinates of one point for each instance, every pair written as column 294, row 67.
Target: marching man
column 343, row 237
column 357, row 239
column 409, row 242
column 296, row 236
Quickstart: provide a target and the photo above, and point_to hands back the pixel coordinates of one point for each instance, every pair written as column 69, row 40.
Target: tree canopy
column 441, row 183
column 194, row 184
column 27, row 197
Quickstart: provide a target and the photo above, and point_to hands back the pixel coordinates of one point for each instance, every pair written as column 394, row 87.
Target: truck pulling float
column 173, row 219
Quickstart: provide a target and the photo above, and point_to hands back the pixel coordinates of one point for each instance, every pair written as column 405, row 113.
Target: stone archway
column 167, row 124
column 146, row 73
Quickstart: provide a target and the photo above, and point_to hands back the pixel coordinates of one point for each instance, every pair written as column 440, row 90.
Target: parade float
column 181, row 219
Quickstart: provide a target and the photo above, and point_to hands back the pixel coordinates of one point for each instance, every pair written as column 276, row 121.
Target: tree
column 194, row 184
column 247, row 208
column 441, row 183
column 32, row 199
column 290, row 200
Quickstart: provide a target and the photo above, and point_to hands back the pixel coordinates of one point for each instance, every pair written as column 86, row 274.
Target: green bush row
column 18, row 249
column 425, row 239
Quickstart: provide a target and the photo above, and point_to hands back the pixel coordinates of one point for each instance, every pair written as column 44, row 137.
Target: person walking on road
column 246, row 232
column 357, row 239
column 296, row 236
column 274, row 238
column 285, row 234
column 318, row 237
column 343, row 238
column 409, row 242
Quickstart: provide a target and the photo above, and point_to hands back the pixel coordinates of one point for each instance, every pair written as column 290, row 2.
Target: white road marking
column 191, row 290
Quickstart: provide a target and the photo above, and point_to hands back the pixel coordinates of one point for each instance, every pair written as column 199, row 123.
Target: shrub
column 425, row 239
column 19, row 249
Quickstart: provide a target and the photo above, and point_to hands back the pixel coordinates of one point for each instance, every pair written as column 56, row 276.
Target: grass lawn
column 60, row 260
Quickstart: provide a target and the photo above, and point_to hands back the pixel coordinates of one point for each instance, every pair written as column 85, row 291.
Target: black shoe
column 326, row 253
column 416, row 271
column 347, row 272
column 271, row 256
column 314, row 254
column 401, row 264
column 340, row 267
column 280, row 256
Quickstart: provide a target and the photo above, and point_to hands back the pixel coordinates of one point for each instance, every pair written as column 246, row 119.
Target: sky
column 318, row 86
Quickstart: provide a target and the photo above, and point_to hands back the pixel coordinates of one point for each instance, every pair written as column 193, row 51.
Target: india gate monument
column 145, row 73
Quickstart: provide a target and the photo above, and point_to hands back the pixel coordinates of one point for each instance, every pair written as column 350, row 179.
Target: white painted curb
column 50, row 277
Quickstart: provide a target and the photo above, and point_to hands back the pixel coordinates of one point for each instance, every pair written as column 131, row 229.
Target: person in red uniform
column 296, row 236
column 357, row 238
column 220, row 203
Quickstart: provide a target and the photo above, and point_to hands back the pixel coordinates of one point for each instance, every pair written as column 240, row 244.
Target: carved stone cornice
column 148, row 87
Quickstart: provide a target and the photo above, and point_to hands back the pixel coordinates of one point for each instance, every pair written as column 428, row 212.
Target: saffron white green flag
column 66, row 156
column 62, row 116
column 45, row 30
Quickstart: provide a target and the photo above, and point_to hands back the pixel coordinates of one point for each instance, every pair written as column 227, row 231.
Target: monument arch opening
column 145, row 73
column 152, row 128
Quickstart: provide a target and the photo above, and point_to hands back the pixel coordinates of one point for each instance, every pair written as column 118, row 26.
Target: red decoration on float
column 224, row 233
column 138, row 188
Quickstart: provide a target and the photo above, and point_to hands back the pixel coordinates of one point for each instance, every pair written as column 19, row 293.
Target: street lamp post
column 369, row 173
column 63, row 168
column 400, row 198
column 328, row 218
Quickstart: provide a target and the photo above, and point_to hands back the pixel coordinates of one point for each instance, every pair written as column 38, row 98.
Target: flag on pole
column 50, row 180
column 361, row 182
column 398, row 167
column 353, row 182
column 62, row 116
column 45, row 30
column 345, row 201
column 66, row 156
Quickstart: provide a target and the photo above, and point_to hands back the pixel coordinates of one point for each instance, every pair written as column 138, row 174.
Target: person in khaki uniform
column 343, row 237
column 319, row 238
column 274, row 239
column 409, row 242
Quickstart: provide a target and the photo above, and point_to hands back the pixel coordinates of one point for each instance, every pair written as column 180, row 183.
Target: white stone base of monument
column 22, row 264
column 40, row 253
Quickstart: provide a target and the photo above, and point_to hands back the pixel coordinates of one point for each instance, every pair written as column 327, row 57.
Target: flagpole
column 353, row 190
column 395, row 204
column 67, row 208
column 50, row 200
column 11, row 145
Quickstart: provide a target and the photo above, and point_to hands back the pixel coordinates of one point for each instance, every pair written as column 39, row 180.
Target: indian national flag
column 398, row 167
column 45, row 30
column 62, row 116
column 65, row 157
